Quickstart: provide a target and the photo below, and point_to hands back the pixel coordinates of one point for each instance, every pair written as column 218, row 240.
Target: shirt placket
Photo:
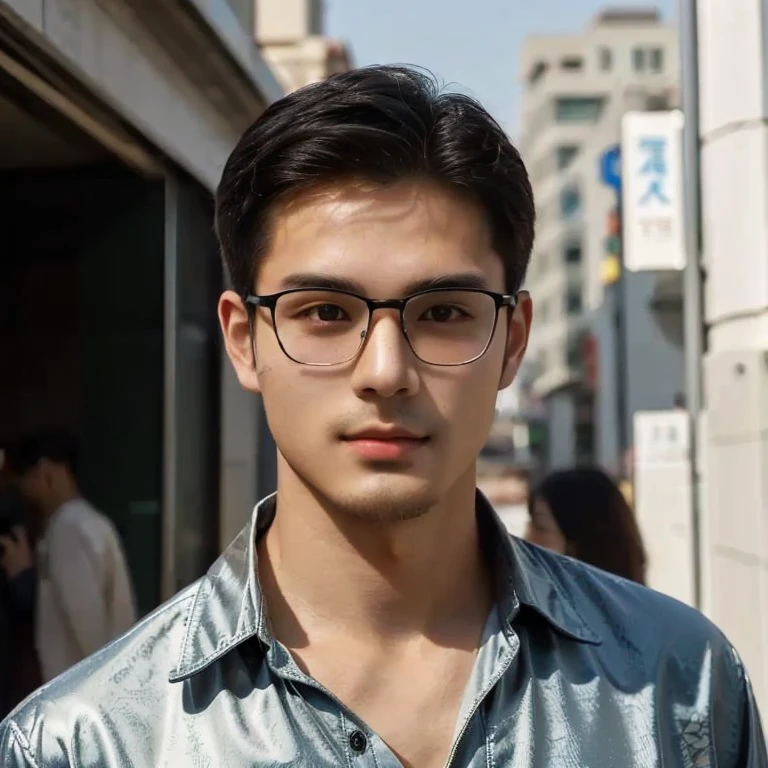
column 363, row 747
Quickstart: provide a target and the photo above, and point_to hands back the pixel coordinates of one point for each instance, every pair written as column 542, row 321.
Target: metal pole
column 622, row 379
column 693, row 325
column 168, row 585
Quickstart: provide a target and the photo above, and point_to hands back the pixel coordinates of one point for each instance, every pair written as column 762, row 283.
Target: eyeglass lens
column 319, row 327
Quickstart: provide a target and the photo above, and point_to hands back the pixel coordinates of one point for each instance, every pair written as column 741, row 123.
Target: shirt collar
column 530, row 578
column 228, row 606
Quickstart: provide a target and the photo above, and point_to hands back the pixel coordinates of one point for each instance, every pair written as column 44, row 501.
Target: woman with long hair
column 583, row 513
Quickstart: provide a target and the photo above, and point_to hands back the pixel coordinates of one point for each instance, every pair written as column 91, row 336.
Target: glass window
column 565, row 155
column 657, row 60
column 570, row 202
column 575, row 349
column 578, row 109
column 638, row 59
column 573, row 254
column 573, row 354
column 537, row 72
column 605, row 58
column 573, row 303
column 572, row 63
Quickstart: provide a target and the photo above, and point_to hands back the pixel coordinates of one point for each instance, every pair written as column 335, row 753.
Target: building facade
column 290, row 35
column 116, row 118
column 577, row 87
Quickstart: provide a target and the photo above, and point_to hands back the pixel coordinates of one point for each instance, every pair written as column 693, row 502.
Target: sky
column 471, row 45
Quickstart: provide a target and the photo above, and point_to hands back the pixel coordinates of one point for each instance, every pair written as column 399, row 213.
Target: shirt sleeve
column 752, row 737
column 738, row 720
column 74, row 576
column 15, row 750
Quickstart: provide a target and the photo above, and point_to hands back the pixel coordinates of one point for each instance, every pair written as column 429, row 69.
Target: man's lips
column 395, row 433
column 385, row 444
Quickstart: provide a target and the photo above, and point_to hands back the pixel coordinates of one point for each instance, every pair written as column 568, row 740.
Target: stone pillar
column 734, row 195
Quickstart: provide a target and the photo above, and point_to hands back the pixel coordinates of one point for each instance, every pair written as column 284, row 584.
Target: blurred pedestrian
column 85, row 598
column 582, row 513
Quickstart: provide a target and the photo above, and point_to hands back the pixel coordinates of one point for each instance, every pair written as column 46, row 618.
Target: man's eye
column 443, row 313
column 326, row 313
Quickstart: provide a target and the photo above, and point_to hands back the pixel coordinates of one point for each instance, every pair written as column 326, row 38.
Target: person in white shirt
column 85, row 598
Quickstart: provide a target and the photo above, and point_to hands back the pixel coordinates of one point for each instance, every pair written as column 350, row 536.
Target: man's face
column 543, row 529
column 381, row 241
column 33, row 485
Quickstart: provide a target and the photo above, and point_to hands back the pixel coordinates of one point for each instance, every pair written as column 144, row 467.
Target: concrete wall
column 734, row 184
column 287, row 21
column 121, row 58
column 306, row 61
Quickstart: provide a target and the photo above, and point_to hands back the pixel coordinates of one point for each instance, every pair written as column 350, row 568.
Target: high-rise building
column 576, row 89
column 290, row 36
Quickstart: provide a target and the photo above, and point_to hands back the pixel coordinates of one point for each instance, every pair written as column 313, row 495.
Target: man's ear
column 236, row 329
column 518, row 332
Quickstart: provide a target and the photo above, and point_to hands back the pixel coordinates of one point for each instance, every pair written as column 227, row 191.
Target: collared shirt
column 577, row 668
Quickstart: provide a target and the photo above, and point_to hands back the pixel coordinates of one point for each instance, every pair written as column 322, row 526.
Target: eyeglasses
column 319, row 326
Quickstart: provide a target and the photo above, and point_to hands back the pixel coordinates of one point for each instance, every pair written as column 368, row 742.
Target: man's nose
column 386, row 365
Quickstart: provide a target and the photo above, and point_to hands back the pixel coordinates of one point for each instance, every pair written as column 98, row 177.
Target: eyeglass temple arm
column 509, row 300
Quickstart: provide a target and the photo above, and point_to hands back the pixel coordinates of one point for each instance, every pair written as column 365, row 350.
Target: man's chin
column 385, row 497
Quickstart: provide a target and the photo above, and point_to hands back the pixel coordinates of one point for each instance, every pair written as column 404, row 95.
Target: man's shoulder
column 621, row 611
column 76, row 514
column 79, row 518
column 136, row 665
column 648, row 641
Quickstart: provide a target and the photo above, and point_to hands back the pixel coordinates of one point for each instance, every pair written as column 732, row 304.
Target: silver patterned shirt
column 577, row 669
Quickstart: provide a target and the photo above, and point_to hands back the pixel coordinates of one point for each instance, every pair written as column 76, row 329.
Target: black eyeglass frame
column 269, row 301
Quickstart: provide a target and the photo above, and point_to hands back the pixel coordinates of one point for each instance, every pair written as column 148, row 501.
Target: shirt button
column 358, row 742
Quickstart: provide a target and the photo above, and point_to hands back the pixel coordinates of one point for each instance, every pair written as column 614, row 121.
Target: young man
column 376, row 613
column 84, row 593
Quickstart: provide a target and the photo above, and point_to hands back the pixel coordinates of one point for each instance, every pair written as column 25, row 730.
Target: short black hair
column 56, row 445
column 379, row 124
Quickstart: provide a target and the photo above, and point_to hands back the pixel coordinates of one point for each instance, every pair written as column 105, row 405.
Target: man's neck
column 58, row 500
column 325, row 573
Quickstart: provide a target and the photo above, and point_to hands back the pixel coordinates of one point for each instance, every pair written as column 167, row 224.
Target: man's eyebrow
column 457, row 280
column 319, row 280
column 451, row 280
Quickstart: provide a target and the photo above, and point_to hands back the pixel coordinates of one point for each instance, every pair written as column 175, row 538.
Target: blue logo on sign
column 610, row 167
column 654, row 169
